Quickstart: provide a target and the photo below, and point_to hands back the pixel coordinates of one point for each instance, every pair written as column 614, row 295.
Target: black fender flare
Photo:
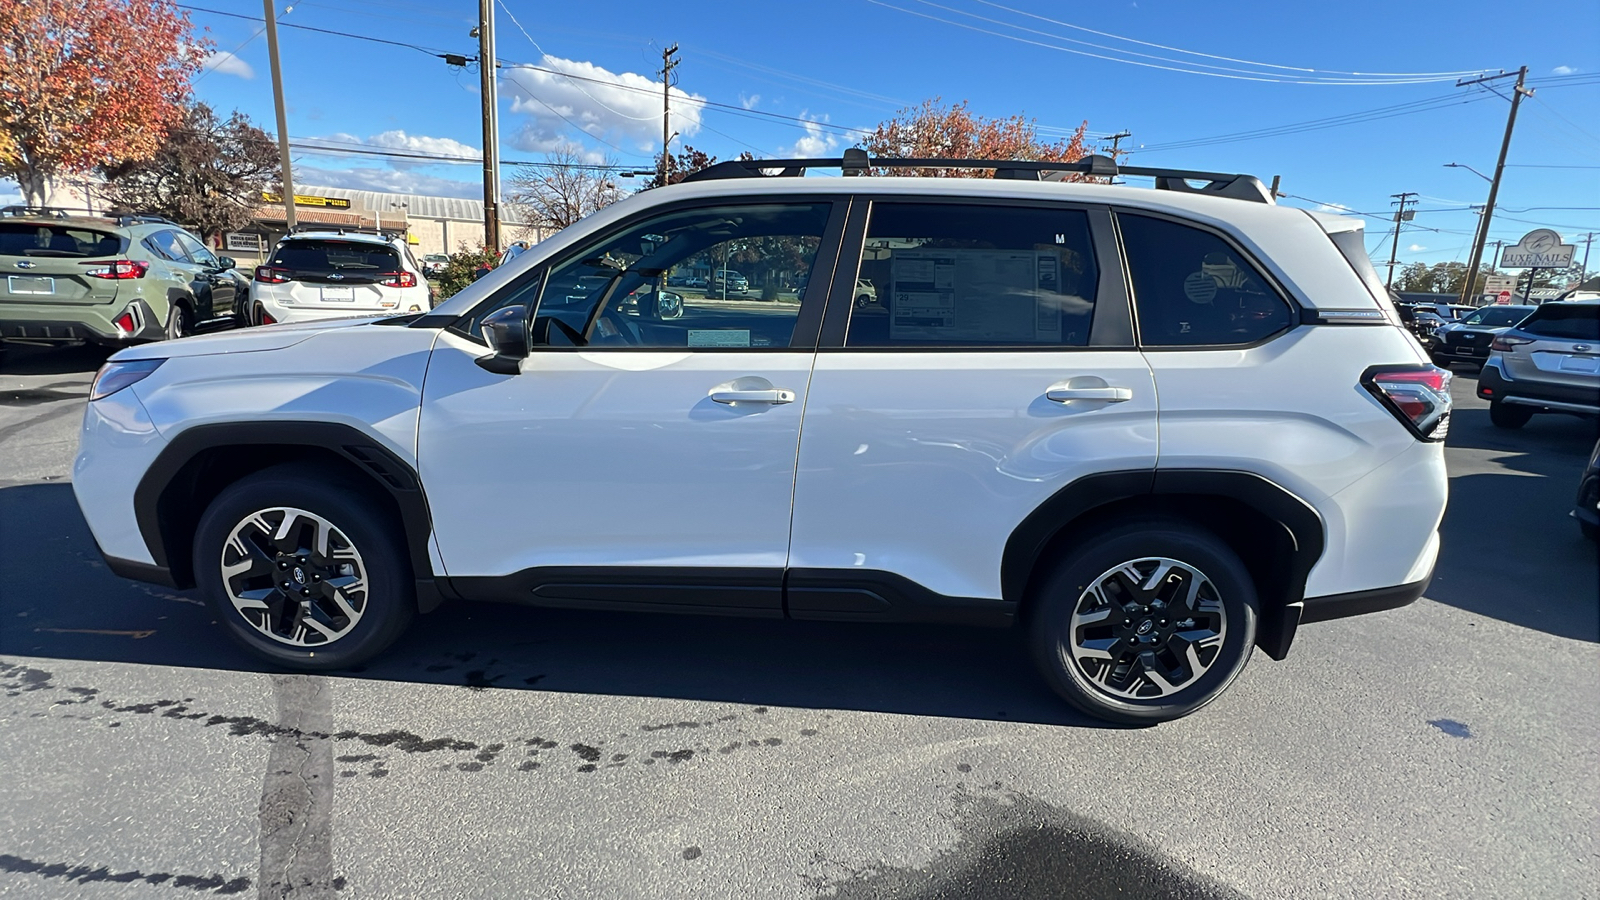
column 158, row 510
column 1280, row 615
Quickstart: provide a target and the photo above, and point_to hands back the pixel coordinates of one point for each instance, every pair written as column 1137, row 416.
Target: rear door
column 992, row 364
column 54, row 264
column 214, row 288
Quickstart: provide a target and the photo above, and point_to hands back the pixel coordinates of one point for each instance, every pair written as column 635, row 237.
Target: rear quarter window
column 1192, row 288
column 31, row 239
column 1578, row 322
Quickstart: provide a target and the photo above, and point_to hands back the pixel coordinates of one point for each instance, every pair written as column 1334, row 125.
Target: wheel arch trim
column 384, row 468
column 1280, row 614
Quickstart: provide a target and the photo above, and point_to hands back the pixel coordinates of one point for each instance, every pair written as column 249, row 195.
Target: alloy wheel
column 294, row 576
column 1147, row 629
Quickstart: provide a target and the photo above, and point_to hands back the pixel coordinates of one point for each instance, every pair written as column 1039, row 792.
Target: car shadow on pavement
column 23, row 359
column 58, row 600
column 1508, row 549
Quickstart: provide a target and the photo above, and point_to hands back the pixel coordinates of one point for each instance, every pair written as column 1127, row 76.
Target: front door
column 645, row 455
column 213, row 288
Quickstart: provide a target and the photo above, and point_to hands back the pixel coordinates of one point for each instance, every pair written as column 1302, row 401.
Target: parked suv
column 1550, row 362
column 114, row 281
column 329, row 274
column 1152, row 429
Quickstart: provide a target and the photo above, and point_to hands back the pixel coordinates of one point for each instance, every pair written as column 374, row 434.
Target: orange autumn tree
column 934, row 130
column 85, row 83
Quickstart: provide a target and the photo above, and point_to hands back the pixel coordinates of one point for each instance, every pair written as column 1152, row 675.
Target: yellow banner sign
column 307, row 200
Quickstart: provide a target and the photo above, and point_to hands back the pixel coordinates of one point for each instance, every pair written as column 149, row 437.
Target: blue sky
column 851, row 63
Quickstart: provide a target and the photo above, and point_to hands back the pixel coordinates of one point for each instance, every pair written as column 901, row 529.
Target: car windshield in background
column 1578, row 322
column 336, row 256
column 29, row 239
column 1497, row 316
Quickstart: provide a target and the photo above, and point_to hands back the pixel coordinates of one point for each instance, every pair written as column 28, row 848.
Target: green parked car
column 113, row 281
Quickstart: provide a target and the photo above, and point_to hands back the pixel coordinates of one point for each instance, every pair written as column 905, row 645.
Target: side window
column 974, row 276
column 166, row 244
column 195, row 250
column 724, row 277
column 1192, row 288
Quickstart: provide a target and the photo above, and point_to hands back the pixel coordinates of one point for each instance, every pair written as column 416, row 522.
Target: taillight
column 1505, row 343
column 397, row 279
column 1419, row 396
column 271, row 275
column 118, row 269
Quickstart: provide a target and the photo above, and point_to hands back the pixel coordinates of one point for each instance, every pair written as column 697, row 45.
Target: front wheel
column 302, row 571
column 180, row 321
column 1509, row 415
column 1144, row 623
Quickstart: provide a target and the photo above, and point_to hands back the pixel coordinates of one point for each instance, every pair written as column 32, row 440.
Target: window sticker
column 1200, row 287
column 729, row 337
column 976, row 295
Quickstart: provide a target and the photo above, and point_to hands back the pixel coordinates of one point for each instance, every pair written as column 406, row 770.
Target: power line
column 1118, row 37
column 1354, row 118
column 1263, row 77
column 346, row 34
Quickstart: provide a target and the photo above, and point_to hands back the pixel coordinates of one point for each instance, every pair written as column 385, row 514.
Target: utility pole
column 667, row 65
column 1116, row 139
column 1399, row 216
column 1517, row 93
column 1583, row 273
column 488, row 68
column 283, row 126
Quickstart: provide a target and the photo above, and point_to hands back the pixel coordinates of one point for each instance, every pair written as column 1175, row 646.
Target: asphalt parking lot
column 1451, row 748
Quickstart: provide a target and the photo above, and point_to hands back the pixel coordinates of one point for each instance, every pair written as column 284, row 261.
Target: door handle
column 1061, row 393
column 774, row 396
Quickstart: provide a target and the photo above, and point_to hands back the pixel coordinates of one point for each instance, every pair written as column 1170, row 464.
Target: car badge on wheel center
column 1144, row 627
column 300, row 575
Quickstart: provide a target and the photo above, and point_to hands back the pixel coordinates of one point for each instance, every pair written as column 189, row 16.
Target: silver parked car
column 1549, row 362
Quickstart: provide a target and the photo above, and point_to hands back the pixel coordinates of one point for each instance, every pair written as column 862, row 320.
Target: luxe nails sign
column 1538, row 249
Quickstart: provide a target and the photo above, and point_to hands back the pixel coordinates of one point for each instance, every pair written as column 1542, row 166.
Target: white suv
column 336, row 273
column 1152, row 428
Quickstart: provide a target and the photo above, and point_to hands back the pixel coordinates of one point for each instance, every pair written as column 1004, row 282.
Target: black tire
column 386, row 605
column 180, row 321
column 1509, row 415
column 1440, row 361
column 1228, row 609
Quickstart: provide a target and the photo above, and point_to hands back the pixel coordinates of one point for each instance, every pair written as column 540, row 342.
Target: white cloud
column 816, row 142
column 1332, row 207
column 1564, row 70
column 620, row 108
column 749, row 102
column 388, row 180
column 228, row 64
column 1417, row 247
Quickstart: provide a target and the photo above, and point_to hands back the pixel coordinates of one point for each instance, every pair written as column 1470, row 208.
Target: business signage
column 1540, row 248
column 242, row 241
column 308, row 200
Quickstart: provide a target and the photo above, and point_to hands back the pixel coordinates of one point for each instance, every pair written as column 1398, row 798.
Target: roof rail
column 18, row 211
column 856, row 162
column 348, row 229
column 143, row 219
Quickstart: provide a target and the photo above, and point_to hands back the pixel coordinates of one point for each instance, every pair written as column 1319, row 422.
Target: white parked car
column 1151, row 429
column 330, row 274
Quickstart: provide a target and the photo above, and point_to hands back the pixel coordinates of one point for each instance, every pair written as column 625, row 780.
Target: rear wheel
column 1144, row 623
column 1509, row 415
column 180, row 321
column 302, row 571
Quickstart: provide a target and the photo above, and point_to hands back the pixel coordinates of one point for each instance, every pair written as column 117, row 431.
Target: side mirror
column 506, row 332
column 227, row 262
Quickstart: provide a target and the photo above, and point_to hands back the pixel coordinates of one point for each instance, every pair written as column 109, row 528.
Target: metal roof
column 420, row 206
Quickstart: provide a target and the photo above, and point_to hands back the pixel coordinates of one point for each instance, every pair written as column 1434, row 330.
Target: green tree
column 462, row 270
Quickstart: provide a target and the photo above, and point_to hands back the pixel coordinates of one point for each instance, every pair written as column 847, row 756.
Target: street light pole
column 1478, row 243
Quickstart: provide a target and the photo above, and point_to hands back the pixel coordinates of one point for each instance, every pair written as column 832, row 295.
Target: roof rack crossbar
column 855, row 162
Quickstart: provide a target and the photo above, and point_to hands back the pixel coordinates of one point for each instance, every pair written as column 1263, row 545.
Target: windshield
column 1498, row 316
column 30, row 239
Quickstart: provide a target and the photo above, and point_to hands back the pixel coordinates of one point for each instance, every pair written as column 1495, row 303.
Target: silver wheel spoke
column 1147, row 629
column 294, row 577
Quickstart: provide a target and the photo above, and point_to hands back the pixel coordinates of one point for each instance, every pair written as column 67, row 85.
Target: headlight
column 114, row 376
